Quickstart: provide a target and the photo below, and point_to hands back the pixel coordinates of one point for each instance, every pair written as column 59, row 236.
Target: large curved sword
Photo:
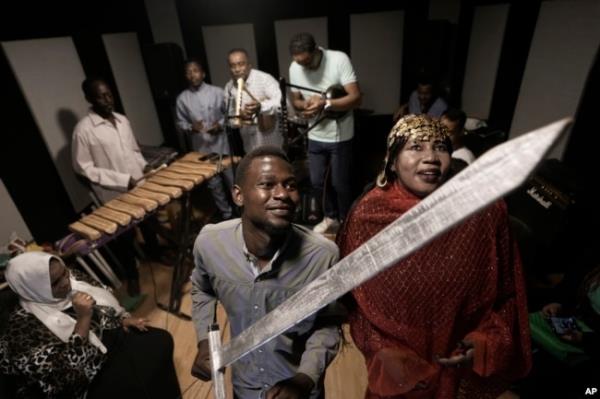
column 490, row 177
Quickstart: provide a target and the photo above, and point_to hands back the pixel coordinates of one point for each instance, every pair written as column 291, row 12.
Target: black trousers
column 139, row 365
column 338, row 156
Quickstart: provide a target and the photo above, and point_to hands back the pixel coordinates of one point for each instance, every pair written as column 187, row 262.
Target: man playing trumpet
column 252, row 98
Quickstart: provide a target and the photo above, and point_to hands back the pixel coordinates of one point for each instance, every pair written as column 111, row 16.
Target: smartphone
column 563, row 325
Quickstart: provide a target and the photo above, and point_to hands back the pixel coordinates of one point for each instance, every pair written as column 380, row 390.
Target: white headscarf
column 28, row 275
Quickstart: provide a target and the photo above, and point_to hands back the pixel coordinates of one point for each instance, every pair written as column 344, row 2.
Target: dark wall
column 262, row 14
column 32, row 180
column 426, row 43
column 579, row 156
column 520, row 27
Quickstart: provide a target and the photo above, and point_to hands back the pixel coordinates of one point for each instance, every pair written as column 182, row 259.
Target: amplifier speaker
column 541, row 212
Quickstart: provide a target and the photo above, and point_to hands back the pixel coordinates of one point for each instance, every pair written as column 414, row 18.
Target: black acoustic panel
column 96, row 64
column 434, row 48
column 483, row 139
column 164, row 64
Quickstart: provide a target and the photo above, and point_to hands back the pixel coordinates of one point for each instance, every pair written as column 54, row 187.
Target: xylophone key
column 121, row 218
column 133, row 210
column 148, row 204
column 85, row 231
column 184, row 184
column 173, row 192
column 161, row 198
column 99, row 223
column 169, row 174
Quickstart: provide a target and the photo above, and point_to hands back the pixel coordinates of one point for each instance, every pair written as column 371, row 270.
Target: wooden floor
column 345, row 378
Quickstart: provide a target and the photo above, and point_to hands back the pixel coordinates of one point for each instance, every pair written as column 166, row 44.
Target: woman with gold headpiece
column 450, row 320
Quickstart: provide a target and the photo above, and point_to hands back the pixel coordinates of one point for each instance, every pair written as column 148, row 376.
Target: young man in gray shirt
column 253, row 264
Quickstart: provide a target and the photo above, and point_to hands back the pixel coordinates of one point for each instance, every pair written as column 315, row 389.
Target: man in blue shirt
column 425, row 99
column 199, row 113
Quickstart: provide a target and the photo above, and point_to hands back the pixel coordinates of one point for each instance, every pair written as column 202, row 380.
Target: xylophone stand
column 87, row 268
column 179, row 270
column 102, row 264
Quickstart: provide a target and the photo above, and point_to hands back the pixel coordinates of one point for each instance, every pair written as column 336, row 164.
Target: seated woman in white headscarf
column 71, row 339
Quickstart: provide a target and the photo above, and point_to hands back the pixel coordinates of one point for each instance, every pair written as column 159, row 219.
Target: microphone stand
column 283, row 84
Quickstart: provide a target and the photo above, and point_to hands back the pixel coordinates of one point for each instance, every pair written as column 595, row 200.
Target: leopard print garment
column 42, row 364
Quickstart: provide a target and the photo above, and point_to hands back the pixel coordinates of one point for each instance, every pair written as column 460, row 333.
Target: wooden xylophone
column 157, row 190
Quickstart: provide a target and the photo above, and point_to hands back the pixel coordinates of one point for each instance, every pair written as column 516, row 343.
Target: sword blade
column 493, row 175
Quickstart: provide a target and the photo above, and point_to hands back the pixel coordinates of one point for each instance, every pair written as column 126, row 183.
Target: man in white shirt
column 259, row 104
column 105, row 151
column 330, row 141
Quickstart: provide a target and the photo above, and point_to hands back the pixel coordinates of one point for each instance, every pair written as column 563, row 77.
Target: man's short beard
column 276, row 231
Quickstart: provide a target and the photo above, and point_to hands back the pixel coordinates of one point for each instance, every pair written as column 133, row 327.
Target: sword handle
column 218, row 375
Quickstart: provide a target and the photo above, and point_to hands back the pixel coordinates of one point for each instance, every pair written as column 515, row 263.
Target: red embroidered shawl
column 467, row 284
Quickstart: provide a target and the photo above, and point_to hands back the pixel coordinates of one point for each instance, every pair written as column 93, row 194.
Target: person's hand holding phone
column 566, row 328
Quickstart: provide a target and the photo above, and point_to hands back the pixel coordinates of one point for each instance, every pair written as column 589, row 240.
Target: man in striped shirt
column 260, row 99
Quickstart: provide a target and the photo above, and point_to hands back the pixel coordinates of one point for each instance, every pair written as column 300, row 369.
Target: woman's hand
column 202, row 368
column 138, row 323
column 462, row 358
column 83, row 304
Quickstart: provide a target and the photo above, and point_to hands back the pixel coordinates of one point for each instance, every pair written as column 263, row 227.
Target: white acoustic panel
column 164, row 22
column 287, row 28
column 12, row 222
column 485, row 45
column 126, row 62
column 376, row 54
column 219, row 40
column 50, row 75
column 444, row 9
column 562, row 52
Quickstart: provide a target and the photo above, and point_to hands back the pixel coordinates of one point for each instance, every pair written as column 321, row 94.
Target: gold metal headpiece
column 412, row 127
column 417, row 127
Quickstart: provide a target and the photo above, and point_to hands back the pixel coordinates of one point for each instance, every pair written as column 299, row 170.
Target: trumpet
column 236, row 120
column 264, row 122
